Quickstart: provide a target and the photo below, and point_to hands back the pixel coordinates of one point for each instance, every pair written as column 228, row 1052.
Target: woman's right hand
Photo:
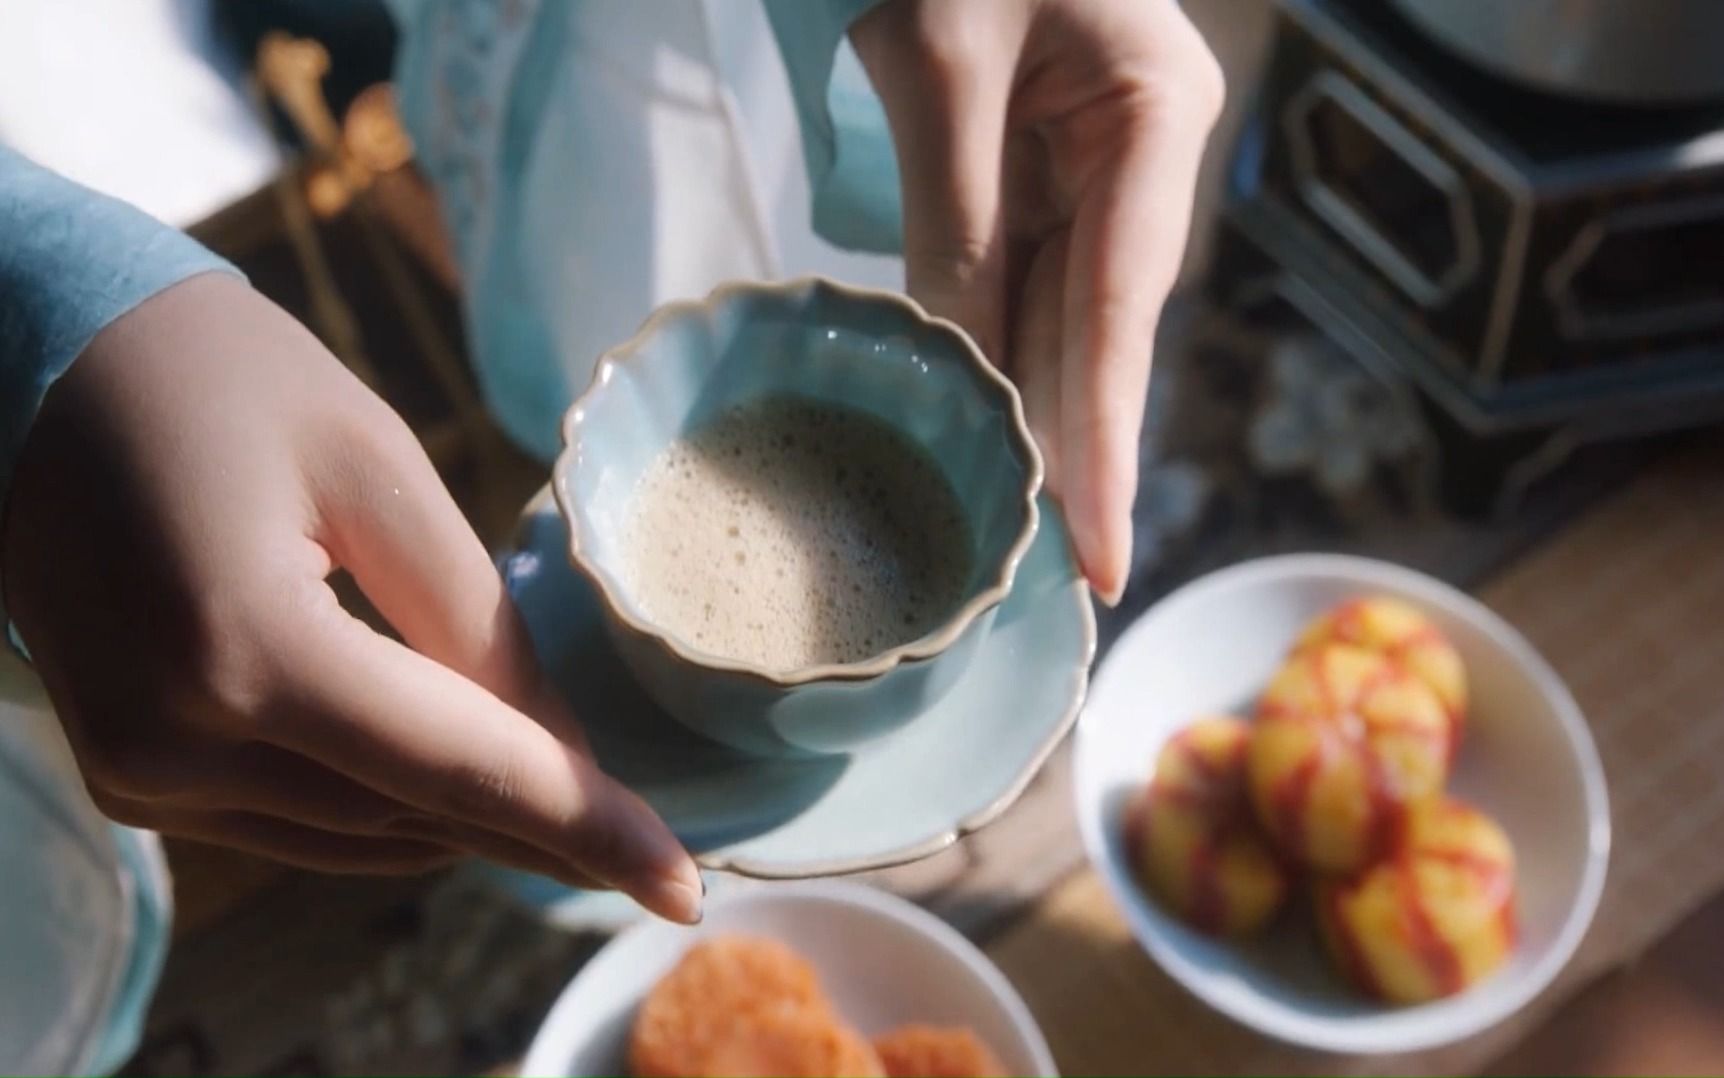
column 186, row 491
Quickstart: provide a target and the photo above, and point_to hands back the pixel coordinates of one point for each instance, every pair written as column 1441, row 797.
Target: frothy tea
column 790, row 532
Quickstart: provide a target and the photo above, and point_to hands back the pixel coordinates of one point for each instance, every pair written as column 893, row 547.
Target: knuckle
column 941, row 269
column 1188, row 86
column 943, row 47
column 1193, row 83
column 232, row 684
column 1123, row 315
column 379, row 433
column 1208, row 84
column 481, row 790
column 923, row 58
column 224, row 688
column 368, row 451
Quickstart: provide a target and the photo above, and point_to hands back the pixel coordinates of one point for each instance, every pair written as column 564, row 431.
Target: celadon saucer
column 947, row 773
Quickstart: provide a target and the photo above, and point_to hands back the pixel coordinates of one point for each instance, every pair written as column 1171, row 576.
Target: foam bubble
column 789, row 532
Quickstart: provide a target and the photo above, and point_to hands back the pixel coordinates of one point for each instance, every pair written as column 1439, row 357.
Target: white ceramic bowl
column 1527, row 759
column 882, row 961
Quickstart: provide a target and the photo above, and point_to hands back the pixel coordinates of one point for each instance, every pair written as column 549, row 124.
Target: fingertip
column 1120, row 575
column 1108, row 586
column 677, row 897
column 1109, row 594
column 1103, row 546
column 657, row 871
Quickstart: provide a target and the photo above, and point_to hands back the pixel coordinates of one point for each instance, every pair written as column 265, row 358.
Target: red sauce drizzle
column 1291, row 796
column 1275, row 709
column 1352, row 956
column 1509, row 922
column 1420, row 637
column 1493, row 874
column 1399, row 727
column 1350, row 621
column 1187, row 746
column 1241, row 750
column 1208, row 902
column 1442, row 963
column 1487, row 869
column 1387, row 812
column 1424, row 636
column 1329, row 700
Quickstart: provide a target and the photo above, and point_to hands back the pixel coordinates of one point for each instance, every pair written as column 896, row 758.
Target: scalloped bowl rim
column 926, row 647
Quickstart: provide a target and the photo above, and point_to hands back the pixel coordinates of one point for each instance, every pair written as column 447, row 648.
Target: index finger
column 414, row 730
column 1127, row 238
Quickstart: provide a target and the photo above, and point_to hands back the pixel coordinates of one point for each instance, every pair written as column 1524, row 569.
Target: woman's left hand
column 1049, row 151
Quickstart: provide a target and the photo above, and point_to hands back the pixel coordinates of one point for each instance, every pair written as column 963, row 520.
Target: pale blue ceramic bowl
column 874, row 351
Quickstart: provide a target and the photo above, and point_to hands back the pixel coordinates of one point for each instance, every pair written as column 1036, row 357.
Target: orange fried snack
column 717, row 995
column 919, row 1051
column 790, row 1044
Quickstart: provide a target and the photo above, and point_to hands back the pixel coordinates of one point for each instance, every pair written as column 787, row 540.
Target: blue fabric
column 71, row 261
column 484, row 90
column 152, row 932
column 846, row 144
column 473, row 83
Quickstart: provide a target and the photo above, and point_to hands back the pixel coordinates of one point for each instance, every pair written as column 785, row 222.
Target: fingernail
column 680, row 892
column 679, row 901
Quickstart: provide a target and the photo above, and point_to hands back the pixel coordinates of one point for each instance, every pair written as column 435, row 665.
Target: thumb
column 412, row 730
column 436, row 725
column 386, row 517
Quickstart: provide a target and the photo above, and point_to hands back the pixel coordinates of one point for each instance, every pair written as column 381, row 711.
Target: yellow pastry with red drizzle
column 1345, row 742
column 1432, row 920
column 1400, row 632
column 1192, row 838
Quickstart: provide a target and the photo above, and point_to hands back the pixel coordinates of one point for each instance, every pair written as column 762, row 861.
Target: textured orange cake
column 790, row 1044
column 727, row 997
column 1344, row 743
column 1192, row 837
column 1435, row 918
column 919, row 1051
column 740, row 1005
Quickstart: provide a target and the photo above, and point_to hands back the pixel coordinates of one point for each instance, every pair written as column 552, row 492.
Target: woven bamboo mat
column 1628, row 605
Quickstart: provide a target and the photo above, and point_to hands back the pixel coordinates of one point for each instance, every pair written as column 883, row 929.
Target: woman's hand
column 186, row 491
column 1049, row 152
